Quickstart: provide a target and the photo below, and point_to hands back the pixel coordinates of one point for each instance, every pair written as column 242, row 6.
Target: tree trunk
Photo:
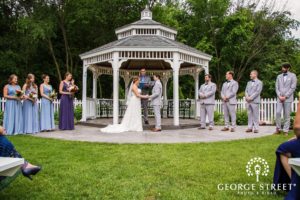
column 54, row 59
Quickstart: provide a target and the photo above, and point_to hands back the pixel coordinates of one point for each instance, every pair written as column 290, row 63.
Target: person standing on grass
column 66, row 113
column 47, row 108
column 13, row 113
column 207, row 93
column 253, row 91
column 228, row 94
column 286, row 84
column 30, row 106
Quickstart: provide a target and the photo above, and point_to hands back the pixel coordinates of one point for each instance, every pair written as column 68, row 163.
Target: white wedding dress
column 132, row 120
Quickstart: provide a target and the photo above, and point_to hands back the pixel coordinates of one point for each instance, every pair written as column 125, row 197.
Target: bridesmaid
column 30, row 106
column 66, row 114
column 13, row 117
column 47, row 110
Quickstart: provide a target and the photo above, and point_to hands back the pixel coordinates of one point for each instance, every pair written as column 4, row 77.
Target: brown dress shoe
column 156, row 130
column 210, row 128
column 277, row 132
column 248, row 130
column 256, row 131
column 225, row 129
column 232, row 130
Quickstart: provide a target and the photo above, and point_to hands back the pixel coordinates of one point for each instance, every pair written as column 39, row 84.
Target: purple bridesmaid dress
column 66, row 114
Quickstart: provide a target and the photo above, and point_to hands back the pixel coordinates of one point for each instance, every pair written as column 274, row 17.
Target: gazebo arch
column 144, row 43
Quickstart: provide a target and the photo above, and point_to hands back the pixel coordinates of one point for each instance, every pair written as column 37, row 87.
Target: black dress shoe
column 147, row 122
column 31, row 171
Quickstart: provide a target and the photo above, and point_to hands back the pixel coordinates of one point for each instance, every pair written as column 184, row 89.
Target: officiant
column 145, row 85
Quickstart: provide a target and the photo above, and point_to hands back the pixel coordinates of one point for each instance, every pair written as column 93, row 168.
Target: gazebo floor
column 167, row 123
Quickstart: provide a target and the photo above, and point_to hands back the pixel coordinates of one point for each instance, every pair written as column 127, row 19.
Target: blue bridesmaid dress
column 13, row 117
column 30, row 114
column 47, row 111
column 280, row 175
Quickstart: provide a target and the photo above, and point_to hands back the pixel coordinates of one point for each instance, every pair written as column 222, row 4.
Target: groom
column 156, row 102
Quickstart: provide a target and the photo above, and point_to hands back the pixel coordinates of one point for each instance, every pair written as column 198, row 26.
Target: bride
column 132, row 120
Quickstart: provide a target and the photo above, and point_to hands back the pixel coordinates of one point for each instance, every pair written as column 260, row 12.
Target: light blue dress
column 30, row 114
column 47, row 111
column 13, row 117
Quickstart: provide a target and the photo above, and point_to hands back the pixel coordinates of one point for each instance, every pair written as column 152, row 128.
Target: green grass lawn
column 82, row 170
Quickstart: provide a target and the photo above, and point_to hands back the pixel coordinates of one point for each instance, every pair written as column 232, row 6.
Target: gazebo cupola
column 146, row 26
column 142, row 44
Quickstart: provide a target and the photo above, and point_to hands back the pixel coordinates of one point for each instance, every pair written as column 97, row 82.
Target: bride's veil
column 129, row 95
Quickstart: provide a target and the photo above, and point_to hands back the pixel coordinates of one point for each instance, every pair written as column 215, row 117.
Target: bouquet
column 19, row 93
column 73, row 88
column 53, row 95
column 33, row 95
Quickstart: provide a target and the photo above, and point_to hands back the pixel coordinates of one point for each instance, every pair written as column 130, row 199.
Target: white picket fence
column 267, row 107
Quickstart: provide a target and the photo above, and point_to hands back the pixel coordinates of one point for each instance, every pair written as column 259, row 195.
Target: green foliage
column 218, row 118
column 241, row 117
column 56, row 117
column 1, row 117
column 77, row 113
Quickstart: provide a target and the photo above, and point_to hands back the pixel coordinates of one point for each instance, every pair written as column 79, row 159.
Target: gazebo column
column 95, row 78
column 84, row 85
column 116, row 64
column 196, row 79
column 176, row 66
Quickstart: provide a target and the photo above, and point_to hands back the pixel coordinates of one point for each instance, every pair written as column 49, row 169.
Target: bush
column 218, row 118
column 56, row 117
column 293, row 115
column 242, row 117
column 77, row 113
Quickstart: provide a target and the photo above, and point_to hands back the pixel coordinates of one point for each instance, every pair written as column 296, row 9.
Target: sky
column 294, row 7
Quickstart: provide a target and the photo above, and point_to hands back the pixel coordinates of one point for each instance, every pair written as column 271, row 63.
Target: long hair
column 11, row 77
column 135, row 79
column 28, row 82
column 67, row 74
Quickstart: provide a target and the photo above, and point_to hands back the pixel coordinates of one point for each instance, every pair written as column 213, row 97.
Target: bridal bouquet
column 19, row 93
column 53, row 95
column 33, row 95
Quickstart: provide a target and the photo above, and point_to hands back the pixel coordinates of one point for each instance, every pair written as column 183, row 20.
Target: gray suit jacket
column 156, row 94
column 209, row 92
column 254, row 91
column 230, row 90
column 286, row 88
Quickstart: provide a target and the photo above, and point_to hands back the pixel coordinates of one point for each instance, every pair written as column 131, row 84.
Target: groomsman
column 228, row 94
column 253, row 91
column 286, row 84
column 207, row 93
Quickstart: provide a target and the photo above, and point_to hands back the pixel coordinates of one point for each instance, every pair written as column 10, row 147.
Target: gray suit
column 145, row 90
column 253, row 91
column 207, row 103
column 156, row 102
column 229, row 90
column 285, row 86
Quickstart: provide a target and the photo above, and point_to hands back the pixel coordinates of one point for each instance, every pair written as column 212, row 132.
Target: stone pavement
column 192, row 135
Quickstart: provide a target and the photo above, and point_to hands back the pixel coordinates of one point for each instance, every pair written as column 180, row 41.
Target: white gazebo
column 148, row 44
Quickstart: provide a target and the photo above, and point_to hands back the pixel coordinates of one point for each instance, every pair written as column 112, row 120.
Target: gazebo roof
column 146, row 39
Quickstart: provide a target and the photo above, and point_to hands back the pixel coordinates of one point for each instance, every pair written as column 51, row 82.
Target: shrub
column 56, row 117
column 293, row 115
column 77, row 113
column 218, row 118
column 242, row 117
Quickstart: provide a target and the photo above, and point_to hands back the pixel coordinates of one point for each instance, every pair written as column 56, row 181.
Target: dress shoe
column 27, row 172
column 232, row 130
column 201, row 128
column 248, row 130
column 225, row 129
column 147, row 122
column 156, row 130
column 210, row 128
column 256, row 131
column 277, row 132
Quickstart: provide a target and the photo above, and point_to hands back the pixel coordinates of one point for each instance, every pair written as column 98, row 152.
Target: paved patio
column 192, row 135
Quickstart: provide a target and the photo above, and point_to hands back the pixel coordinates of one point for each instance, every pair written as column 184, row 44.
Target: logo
column 257, row 166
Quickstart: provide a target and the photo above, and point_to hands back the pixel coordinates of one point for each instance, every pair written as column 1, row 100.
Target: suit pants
column 144, row 103
column 157, row 115
column 207, row 110
column 253, row 116
column 286, row 107
column 229, row 113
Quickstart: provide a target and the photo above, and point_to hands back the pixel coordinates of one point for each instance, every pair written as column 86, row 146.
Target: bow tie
column 206, row 83
column 284, row 74
column 228, row 81
column 253, row 81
